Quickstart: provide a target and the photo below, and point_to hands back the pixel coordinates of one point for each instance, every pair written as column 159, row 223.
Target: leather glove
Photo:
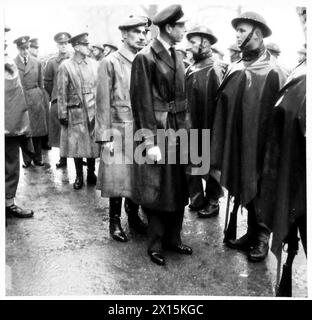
column 64, row 122
column 154, row 153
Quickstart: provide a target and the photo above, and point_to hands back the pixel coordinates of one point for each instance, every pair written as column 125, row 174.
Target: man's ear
column 258, row 33
column 168, row 28
column 124, row 34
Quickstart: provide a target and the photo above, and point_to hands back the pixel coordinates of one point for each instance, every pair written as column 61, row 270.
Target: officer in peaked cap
column 50, row 85
column 62, row 37
column 97, row 51
column 274, row 49
column 22, row 42
column 254, row 19
column 235, row 52
column 158, row 74
column 113, row 97
column 34, row 47
column 147, row 27
column 76, row 85
column 171, row 14
column 81, row 38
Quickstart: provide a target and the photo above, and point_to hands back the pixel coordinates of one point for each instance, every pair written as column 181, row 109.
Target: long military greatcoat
column 50, row 84
column 15, row 107
column 158, row 102
column 31, row 77
column 113, row 111
column 245, row 101
column 283, row 195
column 76, row 102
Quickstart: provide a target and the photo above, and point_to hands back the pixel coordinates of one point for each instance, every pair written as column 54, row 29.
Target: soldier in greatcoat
column 158, row 101
column 50, row 84
column 97, row 51
column 113, row 111
column 31, row 75
column 76, row 84
column 244, row 104
column 17, row 126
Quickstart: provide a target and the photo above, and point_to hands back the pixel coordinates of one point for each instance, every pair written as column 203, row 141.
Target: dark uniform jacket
column 31, row 77
column 283, row 193
column 244, row 105
column 15, row 107
column 158, row 102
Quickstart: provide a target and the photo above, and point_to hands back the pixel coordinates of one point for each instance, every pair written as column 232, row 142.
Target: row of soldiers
column 256, row 118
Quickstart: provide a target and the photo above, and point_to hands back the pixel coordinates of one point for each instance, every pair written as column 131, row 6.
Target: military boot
column 260, row 249
column 79, row 174
column 62, row 163
column 134, row 220
column 115, row 228
column 244, row 243
column 91, row 177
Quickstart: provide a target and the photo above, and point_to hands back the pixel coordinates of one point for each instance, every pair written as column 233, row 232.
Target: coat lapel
column 30, row 64
column 20, row 65
column 127, row 54
column 161, row 51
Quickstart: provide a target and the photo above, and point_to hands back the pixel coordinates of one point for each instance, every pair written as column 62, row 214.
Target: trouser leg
column 213, row 189
column 78, row 166
column 12, row 168
column 134, row 219
column 302, row 226
column 37, row 141
column 115, row 228
column 27, row 156
column 156, row 229
column 173, row 227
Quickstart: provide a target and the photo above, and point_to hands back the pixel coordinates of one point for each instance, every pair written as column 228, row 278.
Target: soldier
column 97, row 51
column 50, row 84
column 157, row 92
column 76, row 83
column 113, row 111
column 245, row 101
column 235, row 52
column 274, row 49
column 17, row 126
column 31, row 75
column 202, row 80
column 34, row 47
column 109, row 48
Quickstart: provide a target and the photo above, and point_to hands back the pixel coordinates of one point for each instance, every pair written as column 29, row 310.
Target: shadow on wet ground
column 66, row 249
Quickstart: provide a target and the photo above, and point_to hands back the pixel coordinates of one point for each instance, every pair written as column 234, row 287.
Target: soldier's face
column 108, row 50
column 176, row 32
column 96, row 51
column 23, row 51
column 34, row 51
column 62, row 47
column 242, row 31
column 135, row 38
column 84, row 49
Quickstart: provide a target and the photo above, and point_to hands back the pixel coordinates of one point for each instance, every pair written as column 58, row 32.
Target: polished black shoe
column 156, row 257
column 27, row 165
column 91, row 178
column 260, row 251
column 180, row 248
column 62, row 163
column 211, row 210
column 244, row 243
column 116, row 230
column 78, row 183
column 18, row 212
column 38, row 163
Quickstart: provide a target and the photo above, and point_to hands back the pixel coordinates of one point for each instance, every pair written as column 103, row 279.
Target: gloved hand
column 109, row 145
column 154, row 153
column 64, row 122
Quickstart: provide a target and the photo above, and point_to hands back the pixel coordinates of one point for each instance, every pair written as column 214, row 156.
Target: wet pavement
column 66, row 249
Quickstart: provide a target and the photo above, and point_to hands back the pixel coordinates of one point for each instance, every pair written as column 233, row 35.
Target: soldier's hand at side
column 154, row 153
column 64, row 122
column 109, row 146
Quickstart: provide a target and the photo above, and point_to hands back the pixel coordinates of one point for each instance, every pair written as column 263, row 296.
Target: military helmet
column 202, row 31
column 255, row 19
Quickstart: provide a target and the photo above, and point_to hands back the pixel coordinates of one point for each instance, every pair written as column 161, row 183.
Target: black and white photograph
column 155, row 150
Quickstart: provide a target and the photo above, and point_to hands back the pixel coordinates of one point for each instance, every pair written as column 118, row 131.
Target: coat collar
column 22, row 67
column 60, row 57
column 79, row 60
column 162, row 52
column 126, row 53
column 200, row 65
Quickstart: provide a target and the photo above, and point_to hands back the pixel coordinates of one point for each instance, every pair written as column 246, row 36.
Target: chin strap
column 247, row 38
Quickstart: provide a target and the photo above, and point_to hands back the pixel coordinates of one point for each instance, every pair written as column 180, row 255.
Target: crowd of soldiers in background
column 59, row 87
